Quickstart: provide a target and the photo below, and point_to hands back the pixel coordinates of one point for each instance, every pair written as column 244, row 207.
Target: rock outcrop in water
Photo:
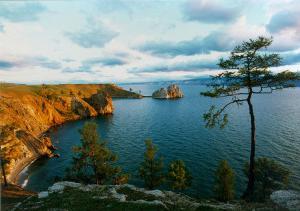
column 173, row 91
column 27, row 112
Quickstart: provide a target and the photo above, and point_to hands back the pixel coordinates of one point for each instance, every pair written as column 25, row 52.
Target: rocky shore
column 172, row 91
column 68, row 195
column 27, row 112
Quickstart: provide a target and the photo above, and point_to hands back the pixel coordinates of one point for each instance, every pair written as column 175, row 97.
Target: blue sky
column 137, row 40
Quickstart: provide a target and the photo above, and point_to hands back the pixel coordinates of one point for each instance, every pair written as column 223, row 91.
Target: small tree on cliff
column 224, row 184
column 93, row 160
column 247, row 73
column 179, row 177
column 269, row 176
column 151, row 169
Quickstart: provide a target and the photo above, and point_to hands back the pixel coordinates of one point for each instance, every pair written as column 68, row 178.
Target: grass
column 134, row 195
column 77, row 200
column 83, row 90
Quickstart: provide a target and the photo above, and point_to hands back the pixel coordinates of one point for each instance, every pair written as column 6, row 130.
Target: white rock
column 287, row 198
column 43, row 194
column 56, row 187
column 69, row 184
column 157, row 193
column 88, row 188
column 117, row 196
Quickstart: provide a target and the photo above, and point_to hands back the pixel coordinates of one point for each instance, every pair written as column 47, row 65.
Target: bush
column 151, row 169
column 224, row 183
column 269, row 176
column 179, row 177
column 93, row 161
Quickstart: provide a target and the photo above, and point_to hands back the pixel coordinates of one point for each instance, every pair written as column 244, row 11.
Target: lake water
column 177, row 128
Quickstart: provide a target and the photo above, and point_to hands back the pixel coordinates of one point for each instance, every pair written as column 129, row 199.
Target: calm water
column 176, row 127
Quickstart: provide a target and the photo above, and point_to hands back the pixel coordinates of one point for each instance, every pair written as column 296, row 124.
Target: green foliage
column 121, row 179
column 246, row 73
column 179, row 177
column 93, row 161
column 224, row 183
column 151, row 169
column 269, row 176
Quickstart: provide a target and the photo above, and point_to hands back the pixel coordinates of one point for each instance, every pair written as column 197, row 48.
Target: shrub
column 269, row 176
column 93, row 161
column 151, row 169
column 179, row 177
column 224, row 183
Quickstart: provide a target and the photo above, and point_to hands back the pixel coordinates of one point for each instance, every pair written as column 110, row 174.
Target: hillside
column 28, row 111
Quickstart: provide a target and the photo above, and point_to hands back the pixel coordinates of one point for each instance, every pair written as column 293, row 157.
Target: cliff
column 27, row 112
column 172, row 91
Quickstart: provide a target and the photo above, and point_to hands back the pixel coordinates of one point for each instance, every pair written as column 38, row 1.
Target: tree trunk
column 250, row 187
column 3, row 172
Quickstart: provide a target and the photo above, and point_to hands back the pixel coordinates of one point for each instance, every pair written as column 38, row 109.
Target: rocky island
column 27, row 112
column 172, row 91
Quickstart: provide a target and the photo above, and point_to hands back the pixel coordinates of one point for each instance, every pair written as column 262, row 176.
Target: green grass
column 78, row 200
column 133, row 195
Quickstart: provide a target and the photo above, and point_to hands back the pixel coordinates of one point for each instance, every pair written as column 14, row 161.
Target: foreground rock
column 67, row 195
column 70, row 195
column 27, row 112
column 287, row 198
column 172, row 91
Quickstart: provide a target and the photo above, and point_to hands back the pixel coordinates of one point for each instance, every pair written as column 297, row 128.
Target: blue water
column 177, row 128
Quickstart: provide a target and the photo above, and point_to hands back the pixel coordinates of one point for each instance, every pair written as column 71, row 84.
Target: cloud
column 185, row 66
column 87, row 65
column 291, row 58
column 1, row 28
column 216, row 41
column 21, row 12
column 5, row 64
column 46, row 62
column 116, row 6
column 284, row 20
column 30, row 62
column 96, row 34
column 209, row 11
column 110, row 61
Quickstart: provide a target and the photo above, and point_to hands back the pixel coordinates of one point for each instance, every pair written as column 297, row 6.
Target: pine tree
column 93, row 161
column 179, row 177
column 151, row 169
column 247, row 74
column 224, row 184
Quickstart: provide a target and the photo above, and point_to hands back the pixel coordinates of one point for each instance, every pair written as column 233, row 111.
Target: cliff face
column 173, row 91
column 29, row 111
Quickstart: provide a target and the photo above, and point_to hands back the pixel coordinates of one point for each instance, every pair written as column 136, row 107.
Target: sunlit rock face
column 29, row 111
column 102, row 103
column 173, row 91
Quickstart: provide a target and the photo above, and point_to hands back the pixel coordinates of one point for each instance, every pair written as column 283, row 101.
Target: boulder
column 288, row 199
column 173, row 91
column 82, row 108
column 102, row 103
column 161, row 93
column 43, row 194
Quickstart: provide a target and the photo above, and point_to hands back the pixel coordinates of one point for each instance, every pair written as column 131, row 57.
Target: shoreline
column 26, row 162
column 15, row 174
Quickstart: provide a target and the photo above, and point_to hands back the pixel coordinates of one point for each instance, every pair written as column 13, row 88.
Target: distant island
column 172, row 91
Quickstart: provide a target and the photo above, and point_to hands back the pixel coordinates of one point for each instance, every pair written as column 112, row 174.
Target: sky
column 124, row 41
